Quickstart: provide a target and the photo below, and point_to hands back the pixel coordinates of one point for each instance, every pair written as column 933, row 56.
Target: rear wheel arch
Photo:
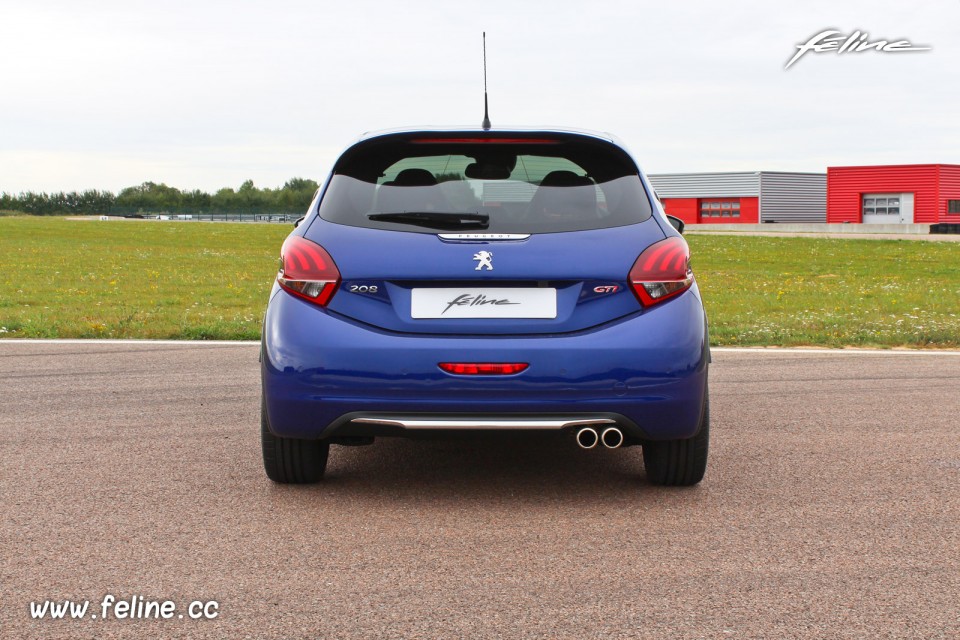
column 681, row 462
column 291, row 460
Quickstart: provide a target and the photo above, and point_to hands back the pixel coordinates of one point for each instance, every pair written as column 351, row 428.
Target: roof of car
column 473, row 130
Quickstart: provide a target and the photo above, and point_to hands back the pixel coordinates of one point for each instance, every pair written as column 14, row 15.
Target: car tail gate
column 468, row 284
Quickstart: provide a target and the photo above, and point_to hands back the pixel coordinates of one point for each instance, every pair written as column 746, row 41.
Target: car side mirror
column 676, row 223
column 299, row 220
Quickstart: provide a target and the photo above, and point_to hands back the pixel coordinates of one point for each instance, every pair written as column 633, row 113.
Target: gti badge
column 485, row 260
column 606, row 288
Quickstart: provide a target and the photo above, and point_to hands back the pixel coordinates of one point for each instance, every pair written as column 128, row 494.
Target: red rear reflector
column 484, row 141
column 307, row 271
column 483, row 368
column 662, row 271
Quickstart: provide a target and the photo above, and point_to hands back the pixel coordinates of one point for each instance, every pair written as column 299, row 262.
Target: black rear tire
column 682, row 462
column 290, row 460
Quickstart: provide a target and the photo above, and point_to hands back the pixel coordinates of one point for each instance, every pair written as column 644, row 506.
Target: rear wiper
column 436, row 219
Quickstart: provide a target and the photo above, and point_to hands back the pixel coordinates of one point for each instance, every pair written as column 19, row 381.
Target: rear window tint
column 566, row 183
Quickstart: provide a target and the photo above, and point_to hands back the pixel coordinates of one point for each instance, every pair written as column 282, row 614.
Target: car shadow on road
column 502, row 468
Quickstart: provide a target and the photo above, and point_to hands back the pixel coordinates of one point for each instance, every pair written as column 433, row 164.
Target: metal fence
column 287, row 218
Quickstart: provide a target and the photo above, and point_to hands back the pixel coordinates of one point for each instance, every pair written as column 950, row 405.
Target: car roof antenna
column 486, row 111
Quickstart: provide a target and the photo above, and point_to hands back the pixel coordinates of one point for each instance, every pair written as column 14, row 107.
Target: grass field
column 64, row 278
column 125, row 279
column 813, row 291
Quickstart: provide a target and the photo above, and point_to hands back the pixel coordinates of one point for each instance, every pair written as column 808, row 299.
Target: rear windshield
column 519, row 185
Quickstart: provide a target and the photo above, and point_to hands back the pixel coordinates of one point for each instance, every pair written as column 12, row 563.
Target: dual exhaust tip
column 588, row 438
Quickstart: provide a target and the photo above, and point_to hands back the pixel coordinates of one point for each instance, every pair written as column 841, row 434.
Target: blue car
column 473, row 280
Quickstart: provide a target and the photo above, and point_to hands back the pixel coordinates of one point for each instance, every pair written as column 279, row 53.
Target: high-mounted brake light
column 662, row 271
column 307, row 271
column 483, row 368
column 484, row 141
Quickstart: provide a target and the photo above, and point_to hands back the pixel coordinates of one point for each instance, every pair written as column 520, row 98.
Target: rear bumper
column 325, row 376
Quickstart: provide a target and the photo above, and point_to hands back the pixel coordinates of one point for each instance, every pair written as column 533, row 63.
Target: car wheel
column 290, row 460
column 679, row 463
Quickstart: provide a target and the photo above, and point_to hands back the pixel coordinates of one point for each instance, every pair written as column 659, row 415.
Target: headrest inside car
column 565, row 179
column 413, row 178
column 491, row 168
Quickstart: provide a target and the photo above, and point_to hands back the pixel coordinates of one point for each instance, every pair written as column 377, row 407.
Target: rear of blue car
column 446, row 282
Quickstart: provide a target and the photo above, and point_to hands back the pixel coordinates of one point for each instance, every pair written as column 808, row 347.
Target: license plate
column 483, row 302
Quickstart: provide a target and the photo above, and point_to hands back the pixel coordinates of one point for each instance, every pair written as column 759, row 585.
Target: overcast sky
column 203, row 95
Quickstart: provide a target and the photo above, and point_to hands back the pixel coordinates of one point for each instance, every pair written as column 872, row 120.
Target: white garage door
column 887, row 208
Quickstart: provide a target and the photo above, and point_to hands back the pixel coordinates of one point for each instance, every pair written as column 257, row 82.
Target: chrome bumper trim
column 487, row 423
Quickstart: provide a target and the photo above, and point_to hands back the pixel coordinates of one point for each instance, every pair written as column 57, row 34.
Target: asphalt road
column 831, row 508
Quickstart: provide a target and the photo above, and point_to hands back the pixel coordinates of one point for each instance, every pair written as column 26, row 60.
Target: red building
column 894, row 194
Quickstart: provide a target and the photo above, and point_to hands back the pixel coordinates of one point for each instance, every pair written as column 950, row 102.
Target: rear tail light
column 307, row 271
column 483, row 368
column 662, row 271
